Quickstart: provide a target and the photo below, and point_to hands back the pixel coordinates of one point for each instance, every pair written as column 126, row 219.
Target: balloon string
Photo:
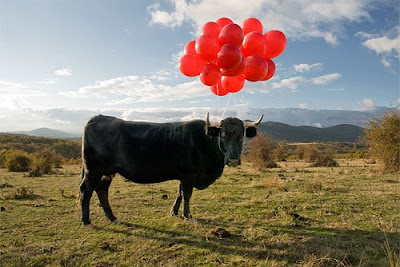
column 217, row 100
column 223, row 113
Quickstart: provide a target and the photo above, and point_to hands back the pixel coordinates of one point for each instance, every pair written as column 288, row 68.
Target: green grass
column 289, row 216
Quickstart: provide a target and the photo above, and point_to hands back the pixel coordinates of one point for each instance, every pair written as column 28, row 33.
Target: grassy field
column 290, row 216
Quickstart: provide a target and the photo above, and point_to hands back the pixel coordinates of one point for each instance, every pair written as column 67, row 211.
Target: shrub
column 383, row 139
column 311, row 153
column 18, row 161
column 3, row 158
column 325, row 160
column 299, row 151
column 44, row 162
column 261, row 151
column 39, row 167
column 280, row 153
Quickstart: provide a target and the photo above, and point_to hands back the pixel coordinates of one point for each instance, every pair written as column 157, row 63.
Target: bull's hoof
column 116, row 221
column 190, row 219
column 88, row 226
column 173, row 213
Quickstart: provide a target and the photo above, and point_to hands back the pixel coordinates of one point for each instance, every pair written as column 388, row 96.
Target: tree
column 18, row 161
column 44, row 161
column 261, row 151
column 383, row 139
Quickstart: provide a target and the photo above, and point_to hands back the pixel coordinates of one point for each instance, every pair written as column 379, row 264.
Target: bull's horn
column 255, row 123
column 208, row 123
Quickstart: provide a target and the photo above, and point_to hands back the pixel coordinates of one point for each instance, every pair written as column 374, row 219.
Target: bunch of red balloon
column 225, row 54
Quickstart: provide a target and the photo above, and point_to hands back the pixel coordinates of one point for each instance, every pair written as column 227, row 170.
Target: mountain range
column 278, row 131
column 47, row 132
column 338, row 133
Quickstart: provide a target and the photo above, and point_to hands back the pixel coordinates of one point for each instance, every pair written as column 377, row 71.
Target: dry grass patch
column 313, row 185
column 314, row 223
column 21, row 194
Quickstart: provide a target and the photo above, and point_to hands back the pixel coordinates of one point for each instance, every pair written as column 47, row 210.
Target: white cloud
column 302, row 105
column 307, row 67
column 291, row 83
column 297, row 19
column 330, row 38
column 387, row 45
column 16, row 95
column 132, row 89
column 383, row 44
column 73, row 120
column 63, row 72
column 386, row 62
column 325, row 79
column 294, row 82
column 46, row 82
column 10, row 86
column 367, row 104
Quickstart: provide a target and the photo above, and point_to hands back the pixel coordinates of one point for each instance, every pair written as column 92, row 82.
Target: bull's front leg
column 177, row 203
column 187, row 190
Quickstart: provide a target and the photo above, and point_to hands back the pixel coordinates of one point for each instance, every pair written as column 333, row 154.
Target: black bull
column 193, row 152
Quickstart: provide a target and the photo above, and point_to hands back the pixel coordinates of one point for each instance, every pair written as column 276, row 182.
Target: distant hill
column 278, row 131
column 317, row 118
column 47, row 132
column 339, row 133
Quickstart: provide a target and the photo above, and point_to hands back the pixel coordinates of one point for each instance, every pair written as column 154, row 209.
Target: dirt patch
column 221, row 233
column 6, row 185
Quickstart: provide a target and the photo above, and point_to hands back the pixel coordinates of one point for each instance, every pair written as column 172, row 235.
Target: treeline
column 37, row 155
column 67, row 149
column 264, row 152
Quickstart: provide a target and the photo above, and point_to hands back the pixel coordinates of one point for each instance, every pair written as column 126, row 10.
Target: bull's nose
column 233, row 162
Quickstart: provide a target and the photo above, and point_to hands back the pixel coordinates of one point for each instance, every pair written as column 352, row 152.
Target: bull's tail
column 82, row 172
column 82, row 184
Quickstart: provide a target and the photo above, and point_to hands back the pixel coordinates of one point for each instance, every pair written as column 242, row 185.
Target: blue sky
column 63, row 61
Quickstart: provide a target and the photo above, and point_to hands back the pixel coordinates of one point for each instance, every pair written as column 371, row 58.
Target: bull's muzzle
column 233, row 162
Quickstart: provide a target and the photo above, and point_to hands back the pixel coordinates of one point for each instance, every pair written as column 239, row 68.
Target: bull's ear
column 251, row 132
column 213, row 131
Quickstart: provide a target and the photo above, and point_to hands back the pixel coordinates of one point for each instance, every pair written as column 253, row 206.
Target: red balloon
column 233, row 84
column 276, row 43
column 255, row 44
column 210, row 75
column 255, row 68
column 251, row 25
column 211, row 28
column 191, row 65
column 218, row 89
column 271, row 70
column 229, row 56
column 231, row 34
column 223, row 21
column 207, row 47
column 244, row 52
column 235, row 71
column 190, row 48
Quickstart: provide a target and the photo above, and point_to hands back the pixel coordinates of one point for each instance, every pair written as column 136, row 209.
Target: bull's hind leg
column 187, row 190
column 102, row 193
column 88, row 184
column 177, row 203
